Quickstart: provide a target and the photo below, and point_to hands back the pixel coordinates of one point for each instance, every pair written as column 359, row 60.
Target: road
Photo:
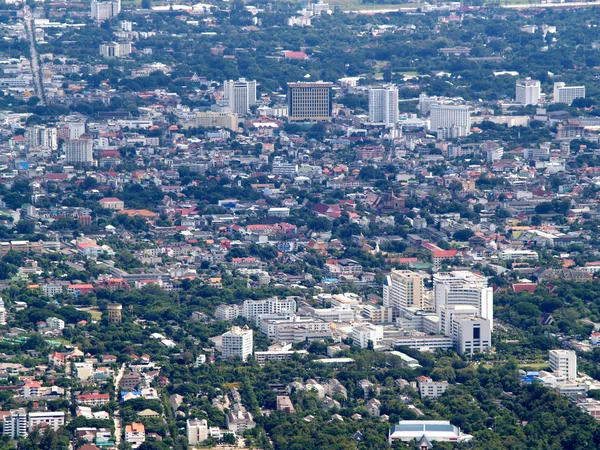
column 117, row 413
column 553, row 5
column 35, row 58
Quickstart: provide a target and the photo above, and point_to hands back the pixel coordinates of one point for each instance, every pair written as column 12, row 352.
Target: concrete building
column 239, row 420
column 363, row 334
column 528, row 91
column 2, row 312
column 284, row 168
column 431, row 389
column 403, row 289
column 113, row 203
column 238, row 343
column 80, row 151
column 309, row 101
column 115, row 49
column 471, row 335
column 54, row 323
column 295, row 328
column 135, row 434
column 279, row 351
column 284, row 403
column 450, row 121
column 227, row 312
column 209, row 119
column 105, row 10
column 566, row 94
column 424, row 432
column 463, row 288
column 197, row 431
column 42, row 137
column 15, row 424
column 240, row 95
column 253, row 310
column 115, row 311
column 383, row 105
column 50, row 419
column 563, row 363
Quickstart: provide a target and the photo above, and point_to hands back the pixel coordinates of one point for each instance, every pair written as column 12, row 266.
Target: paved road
column 35, row 59
column 117, row 414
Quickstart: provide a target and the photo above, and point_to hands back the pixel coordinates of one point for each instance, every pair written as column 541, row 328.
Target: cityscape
column 245, row 224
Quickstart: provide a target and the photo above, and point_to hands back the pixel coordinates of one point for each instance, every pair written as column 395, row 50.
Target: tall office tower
column 563, row 363
column 403, row 289
column 383, row 105
column 528, row 91
column 450, row 117
column 80, row 151
column 43, row 137
column 15, row 424
column 240, row 95
column 566, row 94
column 309, row 101
column 238, row 343
column 105, row 10
column 463, row 288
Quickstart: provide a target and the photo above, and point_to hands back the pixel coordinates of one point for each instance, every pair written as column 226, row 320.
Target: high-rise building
column 471, row 335
column 2, row 312
column 240, row 95
column 566, row 94
column 528, row 91
column 463, row 288
column 456, row 118
column 115, row 313
column 80, row 151
column 15, row 423
column 403, row 289
column 115, row 49
column 105, row 10
column 238, row 343
column 197, row 431
column 563, row 363
column 76, row 129
column 309, row 101
column 383, row 105
column 42, row 137
column 254, row 309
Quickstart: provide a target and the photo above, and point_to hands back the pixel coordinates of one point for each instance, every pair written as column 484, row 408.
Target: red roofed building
column 524, row 287
column 295, row 55
column 93, row 399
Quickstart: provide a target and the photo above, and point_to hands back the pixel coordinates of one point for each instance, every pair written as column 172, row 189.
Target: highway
column 35, row 59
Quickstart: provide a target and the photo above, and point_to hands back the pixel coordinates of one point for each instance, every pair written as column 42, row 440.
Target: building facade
column 450, row 119
column 566, row 94
column 563, row 363
column 238, row 343
column 240, row 95
column 403, row 289
column 309, row 101
column 383, row 105
column 528, row 92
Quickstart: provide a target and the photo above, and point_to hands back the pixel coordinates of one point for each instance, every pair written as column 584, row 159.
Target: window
column 476, row 333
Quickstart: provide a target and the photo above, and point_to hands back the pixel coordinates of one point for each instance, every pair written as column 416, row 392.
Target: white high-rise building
column 566, row 94
column 528, row 92
column 403, row 289
column 455, row 119
column 240, row 95
column 383, row 105
column 76, row 129
column 43, row 137
column 105, row 10
column 2, row 312
column 15, row 424
column 363, row 334
column 80, row 151
column 563, row 363
column 197, row 431
column 463, row 288
column 471, row 335
column 238, row 343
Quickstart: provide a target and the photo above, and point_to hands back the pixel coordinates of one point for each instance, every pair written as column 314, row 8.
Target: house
column 135, row 434
column 374, row 407
column 112, row 203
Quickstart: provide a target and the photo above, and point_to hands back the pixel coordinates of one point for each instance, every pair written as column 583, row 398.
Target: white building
column 135, row 434
column 403, row 289
column 15, row 424
column 450, row 119
column 197, row 431
column 105, row 10
column 279, row 351
column 79, row 151
column 43, row 137
column 115, row 49
column 383, row 105
column 240, row 95
column 528, row 92
column 227, row 312
column 2, row 312
column 281, row 167
column 463, row 288
column 566, row 94
column 471, row 335
column 430, row 430
column 238, row 343
column 254, row 309
column 563, row 363
column 295, row 328
column 363, row 334
column 54, row 323
column 431, row 389
column 50, row 419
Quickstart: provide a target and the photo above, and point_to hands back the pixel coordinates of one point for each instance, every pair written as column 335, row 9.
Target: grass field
column 94, row 312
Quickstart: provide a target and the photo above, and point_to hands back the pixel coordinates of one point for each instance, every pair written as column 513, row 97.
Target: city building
column 54, row 323
column 2, row 312
column 112, row 203
column 383, row 105
column 431, row 389
column 280, row 351
column 403, row 289
column 49, row 419
column 471, row 335
column 253, row 310
column 281, row 167
column 115, row 49
column 428, row 431
column 238, row 343
column 463, row 288
column 450, row 121
column 197, row 431
column 115, row 311
column 42, row 137
column 227, row 312
column 284, row 403
column 309, row 101
column 294, row 328
column 105, row 10
column 367, row 333
column 240, row 95
column 135, row 434
column 566, row 94
column 80, row 151
column 209, row 119
column 528, row 91
column 563, row 363
column 15, row 424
